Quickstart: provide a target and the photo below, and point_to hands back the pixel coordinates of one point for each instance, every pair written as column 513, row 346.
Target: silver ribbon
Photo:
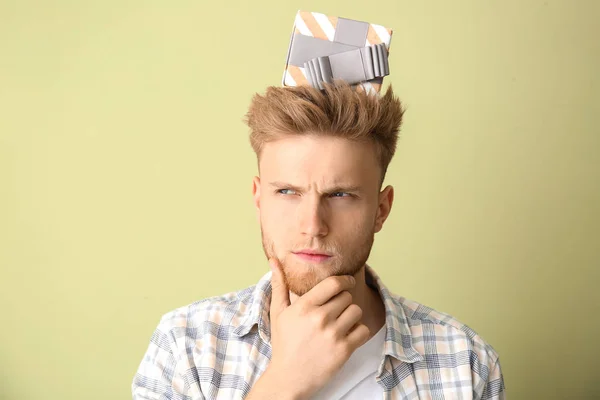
column 353, row 66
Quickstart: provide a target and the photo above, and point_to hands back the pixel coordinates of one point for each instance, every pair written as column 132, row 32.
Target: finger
column 327, row 288
column 348, row 319
column 337, row 304
column 280, row 297
column 358, row 336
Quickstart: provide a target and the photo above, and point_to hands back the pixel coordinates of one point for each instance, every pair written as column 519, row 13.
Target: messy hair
column 339, row 110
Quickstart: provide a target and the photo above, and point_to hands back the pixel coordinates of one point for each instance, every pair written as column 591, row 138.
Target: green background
column 125, row 176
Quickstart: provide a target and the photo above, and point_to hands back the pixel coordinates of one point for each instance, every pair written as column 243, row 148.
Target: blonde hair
column 339, row 110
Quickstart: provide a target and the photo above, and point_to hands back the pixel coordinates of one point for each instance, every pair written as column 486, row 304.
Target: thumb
column 280, row 298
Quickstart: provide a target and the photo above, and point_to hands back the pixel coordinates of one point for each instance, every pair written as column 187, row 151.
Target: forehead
column 319, row 158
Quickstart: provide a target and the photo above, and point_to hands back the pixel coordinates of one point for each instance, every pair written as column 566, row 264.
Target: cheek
column 352, row 220
column 352, row 230
column 276, row 220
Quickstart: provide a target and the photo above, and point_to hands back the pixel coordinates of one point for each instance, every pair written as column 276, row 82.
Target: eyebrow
column 333, row 189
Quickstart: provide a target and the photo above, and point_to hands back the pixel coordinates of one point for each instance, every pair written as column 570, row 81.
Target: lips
column 313, row 256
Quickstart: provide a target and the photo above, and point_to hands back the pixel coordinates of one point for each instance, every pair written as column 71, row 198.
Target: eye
column 285, row 191
column 340, row 194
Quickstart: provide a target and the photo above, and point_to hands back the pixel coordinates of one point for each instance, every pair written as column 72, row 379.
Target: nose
column 312, row 216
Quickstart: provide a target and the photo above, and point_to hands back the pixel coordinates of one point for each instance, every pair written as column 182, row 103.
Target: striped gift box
column 316, row 34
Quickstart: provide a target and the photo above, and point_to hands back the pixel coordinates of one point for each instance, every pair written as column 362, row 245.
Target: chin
column 302, row 277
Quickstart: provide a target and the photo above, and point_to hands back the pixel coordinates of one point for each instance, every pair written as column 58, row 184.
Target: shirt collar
column 398, row 338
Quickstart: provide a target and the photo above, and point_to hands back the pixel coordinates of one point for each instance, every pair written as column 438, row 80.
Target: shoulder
column 187, row 338
column 207, row 316
column 440, row 333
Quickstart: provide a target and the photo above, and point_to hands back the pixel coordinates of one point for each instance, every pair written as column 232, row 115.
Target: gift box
column 324, row 48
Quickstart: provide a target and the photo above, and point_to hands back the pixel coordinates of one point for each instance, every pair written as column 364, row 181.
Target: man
column 321, row 324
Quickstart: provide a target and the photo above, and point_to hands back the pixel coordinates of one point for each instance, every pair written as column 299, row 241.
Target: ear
column 386, row 198
column 256, row 195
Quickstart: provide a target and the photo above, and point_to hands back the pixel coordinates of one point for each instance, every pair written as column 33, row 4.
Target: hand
column 313, row 338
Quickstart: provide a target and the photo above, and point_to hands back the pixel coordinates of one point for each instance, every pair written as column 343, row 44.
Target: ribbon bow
column 353, row 66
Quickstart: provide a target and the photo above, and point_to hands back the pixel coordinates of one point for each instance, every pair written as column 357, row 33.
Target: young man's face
column 319, row 206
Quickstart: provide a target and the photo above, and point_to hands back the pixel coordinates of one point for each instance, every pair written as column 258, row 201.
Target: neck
column 367, row 299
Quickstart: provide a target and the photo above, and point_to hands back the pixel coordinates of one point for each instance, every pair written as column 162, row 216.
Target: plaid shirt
column 217, row 348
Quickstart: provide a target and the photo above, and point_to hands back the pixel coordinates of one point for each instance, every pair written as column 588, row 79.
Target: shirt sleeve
column 159, row 376
column 494, row 387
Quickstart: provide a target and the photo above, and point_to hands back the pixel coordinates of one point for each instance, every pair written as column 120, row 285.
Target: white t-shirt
column 356, row 379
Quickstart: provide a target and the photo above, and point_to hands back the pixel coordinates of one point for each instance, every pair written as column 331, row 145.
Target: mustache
column 331, row 248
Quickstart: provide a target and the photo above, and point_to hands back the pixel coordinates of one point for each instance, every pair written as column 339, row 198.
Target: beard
column 301, row 276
